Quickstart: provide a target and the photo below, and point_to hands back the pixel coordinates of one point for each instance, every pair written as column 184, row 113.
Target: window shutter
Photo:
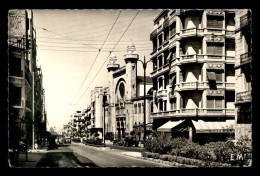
column 219, row 76
column 210, row 22
column 218, row 49
column 210, row 102
column 210, row 48
column 218, row 103
column 218, row 22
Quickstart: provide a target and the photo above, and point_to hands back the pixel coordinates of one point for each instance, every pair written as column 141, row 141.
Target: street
column 107, row 157
column 78, row 155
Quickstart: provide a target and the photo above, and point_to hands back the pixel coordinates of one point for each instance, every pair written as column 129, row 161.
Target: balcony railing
column 189, row 58
column 243, row 97
column 186, row 112
column 214, row 30
column 230, row 33
column 188, row 32
column 245, row 58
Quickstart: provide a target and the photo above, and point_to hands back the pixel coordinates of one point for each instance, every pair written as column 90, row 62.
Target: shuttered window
column 214, row 102
column 215, row 21
column 214, row 48
column 219, row 76
column 210, row 102
column 218, row 103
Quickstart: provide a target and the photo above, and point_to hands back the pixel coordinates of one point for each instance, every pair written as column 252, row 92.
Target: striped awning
column 214, row 127
column 167, row 127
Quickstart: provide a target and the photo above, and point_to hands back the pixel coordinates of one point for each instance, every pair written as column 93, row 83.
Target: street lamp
column 144, row 66
column 104, row 105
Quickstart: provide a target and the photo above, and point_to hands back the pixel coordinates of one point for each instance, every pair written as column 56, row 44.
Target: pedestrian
column 36, row 146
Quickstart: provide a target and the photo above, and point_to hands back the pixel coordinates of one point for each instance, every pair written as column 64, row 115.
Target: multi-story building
column 26, row 93
column 97, row 111
column 27, row 114
column 193, row 75
column 126, row 96
column 243, row 72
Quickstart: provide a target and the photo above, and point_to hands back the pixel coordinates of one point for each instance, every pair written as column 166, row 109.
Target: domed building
column 126, row 102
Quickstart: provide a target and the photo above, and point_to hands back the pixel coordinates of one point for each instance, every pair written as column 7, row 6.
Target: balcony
column 215, row 31
column 201, row 112
column 243, row 97
column 195, row 85
column 191, row 32
column 160, row 70
column 188, row 58
column 230, row 59
column 230, row 34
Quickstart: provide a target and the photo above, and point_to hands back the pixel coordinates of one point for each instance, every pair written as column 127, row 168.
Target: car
column 67, row 140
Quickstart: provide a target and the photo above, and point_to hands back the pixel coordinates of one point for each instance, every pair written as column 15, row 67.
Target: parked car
column 67, row 140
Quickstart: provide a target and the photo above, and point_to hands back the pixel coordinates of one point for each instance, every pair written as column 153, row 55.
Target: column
column 177, row 49
column 178, row 25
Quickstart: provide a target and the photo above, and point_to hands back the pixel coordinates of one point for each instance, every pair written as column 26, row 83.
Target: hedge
column 214, row 152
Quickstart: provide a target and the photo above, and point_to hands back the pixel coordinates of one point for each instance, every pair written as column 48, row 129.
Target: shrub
column 95, row 141
column 76, row 140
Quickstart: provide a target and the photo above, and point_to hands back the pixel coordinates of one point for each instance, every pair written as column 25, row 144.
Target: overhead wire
column 108, row 57
column 97, row 55
column 66, row 37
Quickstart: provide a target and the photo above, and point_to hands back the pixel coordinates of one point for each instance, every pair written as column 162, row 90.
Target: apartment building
column 243, row 72
column 193, row 73
column 27, row 114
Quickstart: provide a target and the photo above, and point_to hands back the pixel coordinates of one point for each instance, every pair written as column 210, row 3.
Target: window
column 216, row 75
column 165, row 105
column 139, row 108
column 215, row 21
column 173, row 29
column 135, row 108
column 214, row 48
column 214, row 102
column 173, row 103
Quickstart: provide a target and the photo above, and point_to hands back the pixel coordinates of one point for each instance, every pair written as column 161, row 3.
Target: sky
column 68, row 45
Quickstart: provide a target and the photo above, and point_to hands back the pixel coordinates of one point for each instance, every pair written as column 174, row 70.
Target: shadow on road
column 68, row 160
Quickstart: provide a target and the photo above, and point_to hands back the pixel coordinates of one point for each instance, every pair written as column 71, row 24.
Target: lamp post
column 104, row 126
column 144, row 67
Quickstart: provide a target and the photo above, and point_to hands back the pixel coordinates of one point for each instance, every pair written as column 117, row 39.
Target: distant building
column 243, row 72
column 193, row 74
column 97, row 111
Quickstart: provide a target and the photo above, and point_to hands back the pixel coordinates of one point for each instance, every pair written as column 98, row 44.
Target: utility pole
column 144, row 67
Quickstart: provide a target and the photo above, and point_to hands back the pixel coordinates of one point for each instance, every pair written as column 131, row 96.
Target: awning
column 214, row 127
column 211, row 76
column 167, row 127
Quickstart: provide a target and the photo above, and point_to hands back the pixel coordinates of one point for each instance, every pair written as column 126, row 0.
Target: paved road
column 107, row 157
